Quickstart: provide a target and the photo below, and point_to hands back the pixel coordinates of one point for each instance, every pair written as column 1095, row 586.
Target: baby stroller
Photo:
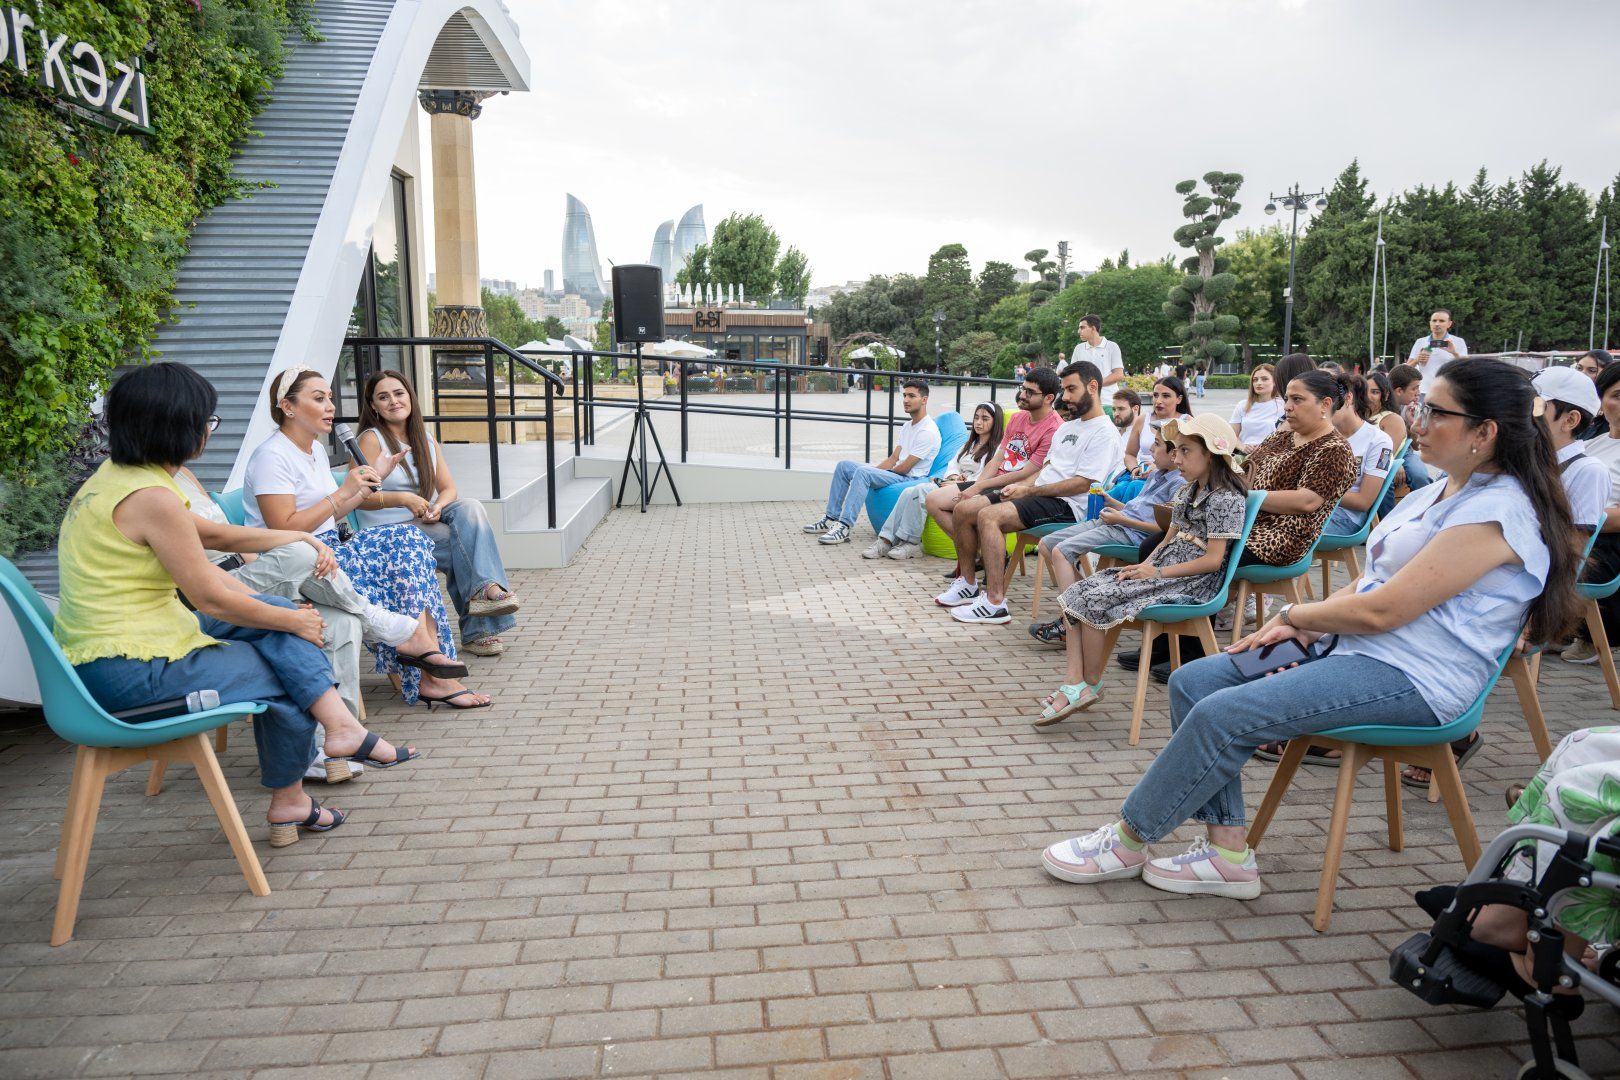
column 1446, row 966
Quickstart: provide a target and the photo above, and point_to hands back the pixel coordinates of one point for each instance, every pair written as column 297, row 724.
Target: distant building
column 551, row 283
column 690, row 233
column 499, row 287
column 1021, row 275
column 531, row 301
column 581, row 267
column 663, row 251
column 822, row 295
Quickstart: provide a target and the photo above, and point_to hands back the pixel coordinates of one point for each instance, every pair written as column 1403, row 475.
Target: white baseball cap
column 1568, row 385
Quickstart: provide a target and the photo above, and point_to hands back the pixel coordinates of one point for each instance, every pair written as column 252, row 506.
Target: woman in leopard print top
column 1306, row 466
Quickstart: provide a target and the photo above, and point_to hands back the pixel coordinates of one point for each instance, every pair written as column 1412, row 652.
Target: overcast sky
column 870, row 133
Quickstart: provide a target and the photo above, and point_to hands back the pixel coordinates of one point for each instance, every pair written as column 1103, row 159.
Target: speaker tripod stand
column 635, row 455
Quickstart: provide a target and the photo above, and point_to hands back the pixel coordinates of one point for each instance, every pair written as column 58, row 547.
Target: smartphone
column 1253, row 663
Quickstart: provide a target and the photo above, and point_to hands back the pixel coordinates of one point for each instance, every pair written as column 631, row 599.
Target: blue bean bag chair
column 880, row 503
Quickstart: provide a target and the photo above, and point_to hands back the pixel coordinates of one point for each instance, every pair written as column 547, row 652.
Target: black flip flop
column 1462, row 749
column 450, row 700
column 455, row 669
column 363, row 755
column 1316, row 755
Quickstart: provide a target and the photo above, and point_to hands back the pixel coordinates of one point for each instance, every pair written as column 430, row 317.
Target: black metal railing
column 368, row 358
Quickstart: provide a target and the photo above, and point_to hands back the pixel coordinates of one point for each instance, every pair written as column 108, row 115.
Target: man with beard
column 1084, row 450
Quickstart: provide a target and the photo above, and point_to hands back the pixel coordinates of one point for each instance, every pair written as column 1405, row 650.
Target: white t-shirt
column 1105, row 354
column 1255, row 425
column 1437, row 359
column 1586, row 482
column 1607, row 450
column 919, row 437
column 1373, row 450
column 1086, row 448
column 278, row 467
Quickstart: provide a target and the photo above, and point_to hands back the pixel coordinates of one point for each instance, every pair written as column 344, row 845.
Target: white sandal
column 1078, row 697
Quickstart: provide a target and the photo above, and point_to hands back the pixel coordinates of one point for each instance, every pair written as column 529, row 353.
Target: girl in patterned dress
column 289, row 486
column 1186, row 567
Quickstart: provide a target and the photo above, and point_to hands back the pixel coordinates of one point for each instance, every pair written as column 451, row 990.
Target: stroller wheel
column 1561, row 1069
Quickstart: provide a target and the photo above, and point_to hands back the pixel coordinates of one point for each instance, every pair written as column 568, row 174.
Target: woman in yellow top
column 128, row 543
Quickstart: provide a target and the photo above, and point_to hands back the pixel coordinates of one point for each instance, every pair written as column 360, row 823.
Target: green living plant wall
column 94, row 222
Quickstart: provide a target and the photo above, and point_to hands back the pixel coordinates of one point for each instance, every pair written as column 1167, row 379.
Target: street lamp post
column 939, row 321
column 1297, row 201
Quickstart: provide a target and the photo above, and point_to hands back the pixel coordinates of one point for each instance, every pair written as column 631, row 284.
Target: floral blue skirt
column 392, row 566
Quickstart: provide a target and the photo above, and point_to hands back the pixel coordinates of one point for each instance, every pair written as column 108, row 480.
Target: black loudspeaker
column 638, row 302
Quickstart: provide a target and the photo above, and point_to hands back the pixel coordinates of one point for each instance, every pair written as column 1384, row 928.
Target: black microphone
column 344, row 435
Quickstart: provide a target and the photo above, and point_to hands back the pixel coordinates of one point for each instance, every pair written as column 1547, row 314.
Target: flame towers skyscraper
column 581, row 267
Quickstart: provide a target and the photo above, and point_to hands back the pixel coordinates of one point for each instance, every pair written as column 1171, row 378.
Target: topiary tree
column 1045, row 287
column 1203, row 333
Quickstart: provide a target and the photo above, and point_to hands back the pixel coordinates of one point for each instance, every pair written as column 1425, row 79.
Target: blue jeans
column 1218, row 719
column 1344, row 521
column 851, row 482
column 281, row 670
column 1198, row 384
column 1417, row 475
column 464, row 548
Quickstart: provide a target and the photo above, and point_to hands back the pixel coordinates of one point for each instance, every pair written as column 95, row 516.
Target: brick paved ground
column 750, row 808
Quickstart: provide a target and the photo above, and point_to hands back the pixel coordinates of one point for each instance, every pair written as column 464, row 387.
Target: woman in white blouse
column 1259, row 416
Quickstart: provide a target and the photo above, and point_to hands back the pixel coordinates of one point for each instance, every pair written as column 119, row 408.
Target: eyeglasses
column 213, row 424
column 1425, row 412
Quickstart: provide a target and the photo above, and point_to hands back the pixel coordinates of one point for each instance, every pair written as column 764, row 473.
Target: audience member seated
column 1290, row 368
column 1571, row 402
column 1169, row 403
column 1452, row 574
column 1024, row 446
column 1385, row 411
column 1185, row 568
column 1370, row 450
column 289, row 485
column 128, row 543
column 911, row 457
column 1306, row 466
column 1083, row 452
column 1131, row 522
column 1127, row 407
column 902, row 532
column 464, row 545
column 1258, row 416
column 1605, row 560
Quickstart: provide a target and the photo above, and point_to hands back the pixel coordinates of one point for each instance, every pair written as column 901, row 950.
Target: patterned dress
column 392, row 566
column 1104, row 599
column 1578, row 788
column 1324, row 465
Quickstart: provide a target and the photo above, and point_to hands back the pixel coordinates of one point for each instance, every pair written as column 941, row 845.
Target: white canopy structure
column 672, row 349
column 865, row 352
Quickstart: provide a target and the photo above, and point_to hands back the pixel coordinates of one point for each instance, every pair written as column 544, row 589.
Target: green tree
column 1207, row 282
column 997, row 281
column 742, row 251
column 1558, row 216
column 695, row 274
column 1259, row 261
column 884, row 306
column 1129, row 302
column 1041, row 289
column 793, row 275
column 1006, row 315
column 508, row 323
column 948, row 288
column 603, row 338
column 552, row 327
column 1333, row 270
column 974, row 353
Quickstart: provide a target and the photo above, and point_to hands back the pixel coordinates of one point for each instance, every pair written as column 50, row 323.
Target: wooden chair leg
column 1206, row 635
column 1144, row 669
column 1392, row 802
column 1352, row 565
column 1530, row 704
column 1293, row 754
column 201, row 755
column 154, row 783
column 1042, row 568
column 1294, row 592
column 1327, row 577
column 1445, row 773
column 80, row 830
column 220, row 738
column 1237, row 614
column 1355, row 755
column 69, row 818
column 1175, row 650
column 1600, row 642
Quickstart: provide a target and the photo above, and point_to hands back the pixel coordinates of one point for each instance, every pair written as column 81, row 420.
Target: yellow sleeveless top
column 117, row 600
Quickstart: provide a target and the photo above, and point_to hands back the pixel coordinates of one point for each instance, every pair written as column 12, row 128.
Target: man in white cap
column 1572, row 402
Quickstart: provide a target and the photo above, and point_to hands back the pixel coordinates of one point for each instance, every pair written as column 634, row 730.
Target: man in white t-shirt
column 1084, row 451
column 1101, row 352
column 1431, row 354
column 913, row 456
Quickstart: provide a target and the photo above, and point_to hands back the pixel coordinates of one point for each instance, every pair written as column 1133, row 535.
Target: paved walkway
column 747, row 808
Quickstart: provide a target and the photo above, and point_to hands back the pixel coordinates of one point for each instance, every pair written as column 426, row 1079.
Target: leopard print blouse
column 1324, row 465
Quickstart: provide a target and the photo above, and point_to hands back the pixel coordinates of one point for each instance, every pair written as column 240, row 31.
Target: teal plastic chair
column 1426, row 748
column 1178, row 619
column 231, row 503
column 107, row 745
column 1261, row 581
column 1340, row 548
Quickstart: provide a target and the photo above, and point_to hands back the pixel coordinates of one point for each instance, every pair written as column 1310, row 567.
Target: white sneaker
column 1203, row 871
column 880, row 547
column 982, row 612
column 904, row 551
column 820, row 525
column 1097, row 856
column 962, row 591
column 838, row 534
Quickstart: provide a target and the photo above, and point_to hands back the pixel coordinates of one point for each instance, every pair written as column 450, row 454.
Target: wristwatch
column 1282, row 613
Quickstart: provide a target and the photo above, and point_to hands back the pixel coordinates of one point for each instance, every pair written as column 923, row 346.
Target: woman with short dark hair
column 128, row 544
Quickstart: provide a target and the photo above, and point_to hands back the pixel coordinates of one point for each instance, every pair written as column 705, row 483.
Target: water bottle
column 1094, row 502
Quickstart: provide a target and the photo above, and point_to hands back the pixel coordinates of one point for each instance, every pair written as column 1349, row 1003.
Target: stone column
column 458, row 306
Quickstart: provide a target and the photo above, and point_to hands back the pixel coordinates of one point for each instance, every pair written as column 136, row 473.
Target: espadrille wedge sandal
column 283, row 833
